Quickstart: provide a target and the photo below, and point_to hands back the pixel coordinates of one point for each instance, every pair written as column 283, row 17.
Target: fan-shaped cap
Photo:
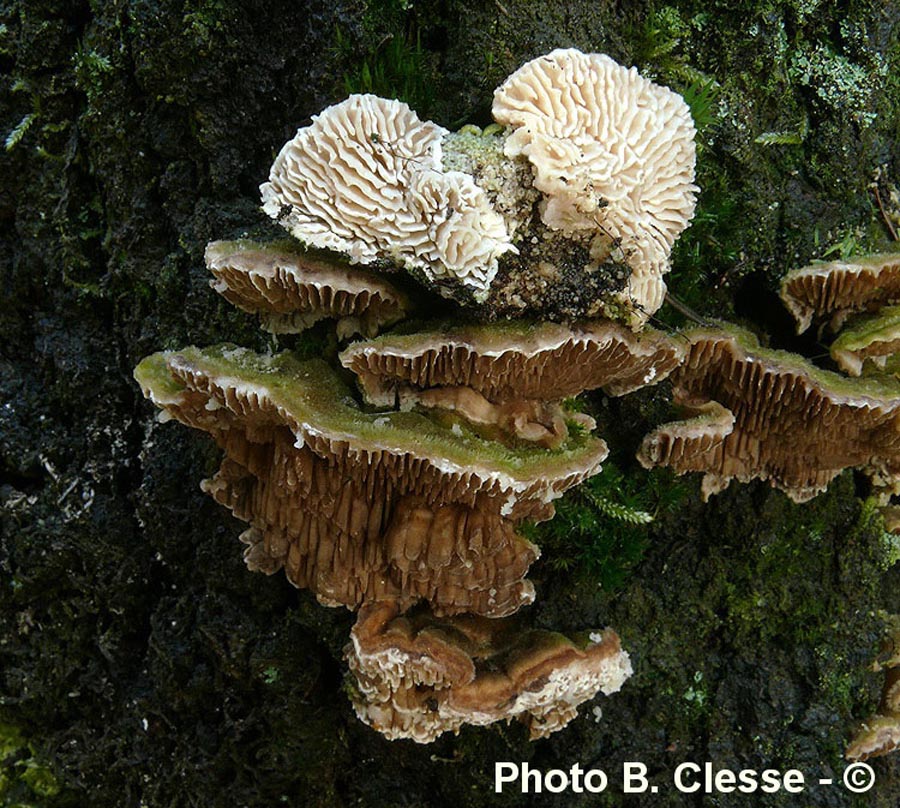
column 515, row 360
column 418, row 677
column 611, row 151
column 292, row 290
column 772, row 415
column 365, row 179
column 359, row 506
column 836, row 289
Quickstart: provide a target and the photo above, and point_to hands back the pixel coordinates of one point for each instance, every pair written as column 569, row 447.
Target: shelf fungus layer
column 834, row 290
column 512, row 375
column 770, row 415
column 365, row 179
column 291, row 289
column 418, row 677
column 364, row 506
column 613, row 154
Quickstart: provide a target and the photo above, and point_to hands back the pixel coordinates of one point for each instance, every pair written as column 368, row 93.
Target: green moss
column 602, row 528
column 24, row 780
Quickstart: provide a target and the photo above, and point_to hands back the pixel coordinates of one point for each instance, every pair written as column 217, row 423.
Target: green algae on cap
column 873, row 339
column 291, row 289
column 309, row 398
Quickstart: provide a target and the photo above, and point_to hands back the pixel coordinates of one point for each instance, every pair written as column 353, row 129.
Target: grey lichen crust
column 292, row 289
column 773, row 416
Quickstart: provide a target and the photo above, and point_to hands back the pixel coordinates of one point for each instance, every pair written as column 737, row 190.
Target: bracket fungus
column 513, row 376
column 837, row 289
column 417, row 676
column 771, row 415
column 612, row 152
column 364, row 506
column 880, row 734
column 291, row 290
column 365, row 178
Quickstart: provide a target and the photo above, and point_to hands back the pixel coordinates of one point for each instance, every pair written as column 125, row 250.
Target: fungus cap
column 870, row 340
column 364, row 506
column 418, row 677
column 365, row 179
column 291, row 290
column 836, row 289
column 611, row 151
column 545, row 361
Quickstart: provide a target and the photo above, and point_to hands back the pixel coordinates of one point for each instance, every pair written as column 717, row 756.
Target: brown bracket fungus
column 417, row 677
column 613, row 154
column 771, row 415
column 365, row 179
column 837, row 289
column 880, row 734
column 364, row 506
column 513, row 375
column 291, row 290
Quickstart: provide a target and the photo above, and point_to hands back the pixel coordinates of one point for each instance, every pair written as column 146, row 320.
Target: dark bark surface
column 142, row 665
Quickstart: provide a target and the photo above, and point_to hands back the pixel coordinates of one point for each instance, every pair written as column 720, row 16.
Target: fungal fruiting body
column 291, row 290
column 613, row 154
column 359, row 506
column 365, row 179
column 574, row 206
column 417, row 676
column 831, row 291
column 880, row 734
column 513, row 375
column 756, row 413
column 410, row 512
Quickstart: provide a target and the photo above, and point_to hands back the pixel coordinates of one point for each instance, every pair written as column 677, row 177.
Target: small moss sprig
column 601, row 528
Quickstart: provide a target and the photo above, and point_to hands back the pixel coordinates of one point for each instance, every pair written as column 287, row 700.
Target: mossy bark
column 140, row 663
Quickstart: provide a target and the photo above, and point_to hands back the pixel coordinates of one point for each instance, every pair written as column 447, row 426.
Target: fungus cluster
column 405, row 503
column 756, row 413
column 366, row 179
column 357, row 506
column 418, row 676
column 588, row 179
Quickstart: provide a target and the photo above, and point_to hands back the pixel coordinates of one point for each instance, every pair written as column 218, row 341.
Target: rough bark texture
column 141, row 664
